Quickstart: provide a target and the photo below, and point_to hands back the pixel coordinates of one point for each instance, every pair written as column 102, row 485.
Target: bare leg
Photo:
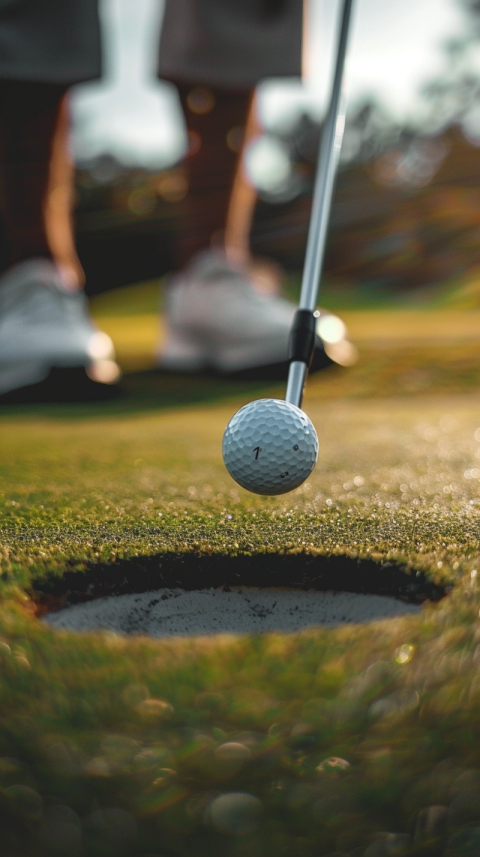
column 216, row 121
column 242, row 200
column 58, row 204
column 36, row 176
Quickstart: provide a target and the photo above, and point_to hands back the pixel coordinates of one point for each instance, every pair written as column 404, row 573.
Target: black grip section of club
column 302, row 337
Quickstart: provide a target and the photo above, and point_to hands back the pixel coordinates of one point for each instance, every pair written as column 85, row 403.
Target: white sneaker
column 217, row 321
column 44, row 325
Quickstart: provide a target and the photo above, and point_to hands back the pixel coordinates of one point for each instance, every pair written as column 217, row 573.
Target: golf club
column 270, row 446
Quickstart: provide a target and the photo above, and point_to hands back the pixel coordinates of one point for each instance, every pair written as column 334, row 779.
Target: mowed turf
column 362, row 740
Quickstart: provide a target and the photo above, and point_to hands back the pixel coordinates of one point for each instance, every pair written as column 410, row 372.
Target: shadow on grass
column 140, row 392
column 195, row 572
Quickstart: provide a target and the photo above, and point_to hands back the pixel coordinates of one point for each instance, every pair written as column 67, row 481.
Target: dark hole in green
column 194, row 572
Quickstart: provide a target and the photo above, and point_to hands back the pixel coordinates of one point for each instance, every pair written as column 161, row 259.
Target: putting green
column 310, row 744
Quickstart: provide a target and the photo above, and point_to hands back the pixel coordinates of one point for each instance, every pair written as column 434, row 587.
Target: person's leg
column 216, row 120
column 215, row 316
column 59, row 202
column 36, row 176
column 48, row 343
column 220, row 205
column 243, row 198
column 216, row 52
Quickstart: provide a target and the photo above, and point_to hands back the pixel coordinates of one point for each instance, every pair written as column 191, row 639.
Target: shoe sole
column 62, row 385
column 279, row 371
column 184, row 353
column 23, row 374
column 182, row 356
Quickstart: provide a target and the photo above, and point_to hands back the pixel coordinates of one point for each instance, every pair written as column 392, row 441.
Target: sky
column 395, row 46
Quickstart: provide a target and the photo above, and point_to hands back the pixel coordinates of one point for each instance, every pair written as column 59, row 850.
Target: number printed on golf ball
column 270, row 447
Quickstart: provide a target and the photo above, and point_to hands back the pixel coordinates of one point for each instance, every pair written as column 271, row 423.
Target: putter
column 302, row 338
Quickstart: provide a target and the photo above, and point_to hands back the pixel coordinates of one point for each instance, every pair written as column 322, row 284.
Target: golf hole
column 192, row 596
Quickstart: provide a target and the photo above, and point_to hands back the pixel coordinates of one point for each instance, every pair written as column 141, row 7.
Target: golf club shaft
column 332, row 136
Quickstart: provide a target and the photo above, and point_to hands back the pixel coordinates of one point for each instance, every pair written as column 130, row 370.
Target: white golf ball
column 270, row 447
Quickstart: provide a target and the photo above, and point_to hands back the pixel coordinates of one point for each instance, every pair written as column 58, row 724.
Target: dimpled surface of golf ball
column 270, row 447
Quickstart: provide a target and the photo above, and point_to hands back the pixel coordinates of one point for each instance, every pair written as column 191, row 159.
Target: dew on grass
column 164, row 777
column 155, row 708
column 230, row 757
column 236, row 813
column 333, row 765
column 404, row 654
column 150, row 758
column 98, row 767
column 232, row 751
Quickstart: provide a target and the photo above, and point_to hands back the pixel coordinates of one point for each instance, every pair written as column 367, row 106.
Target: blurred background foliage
column 406, row 217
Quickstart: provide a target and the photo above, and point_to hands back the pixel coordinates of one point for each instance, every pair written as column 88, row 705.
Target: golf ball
column 270, row 447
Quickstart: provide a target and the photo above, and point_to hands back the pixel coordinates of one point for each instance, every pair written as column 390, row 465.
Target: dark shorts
column 49, row 41
column 231, row 43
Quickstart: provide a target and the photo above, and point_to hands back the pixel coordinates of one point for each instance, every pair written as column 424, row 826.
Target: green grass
column 98, row 721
